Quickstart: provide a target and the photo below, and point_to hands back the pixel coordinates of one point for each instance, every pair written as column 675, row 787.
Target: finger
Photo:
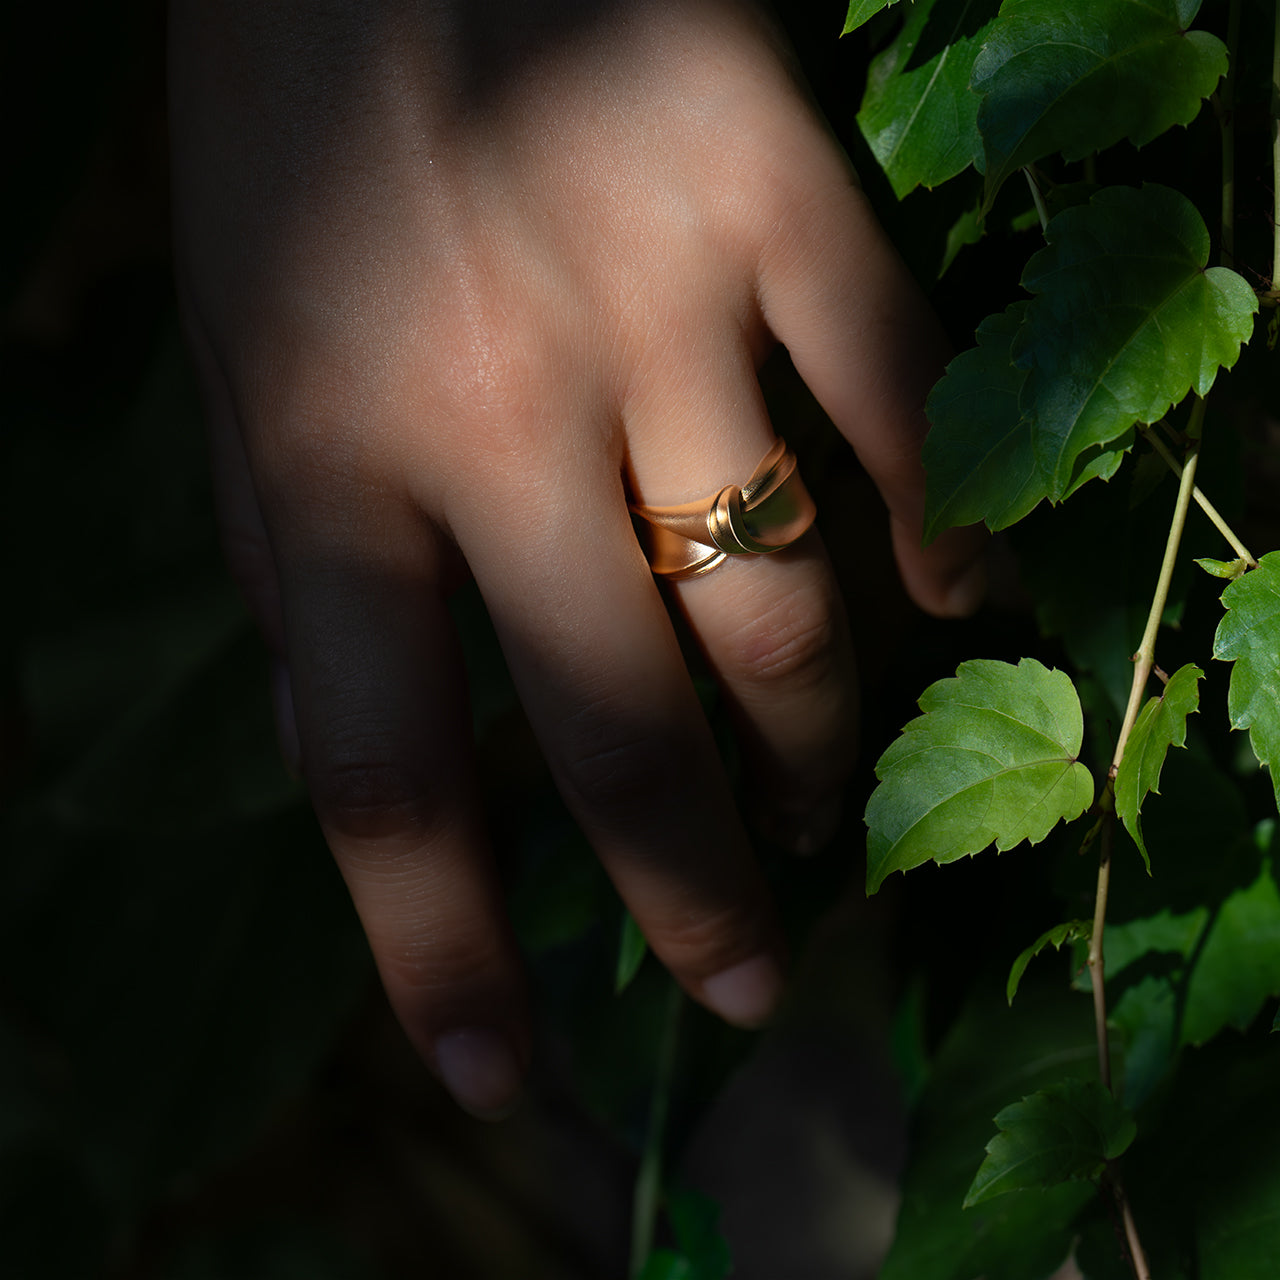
column 835, row 292
column 243, row 534
column 386, row 736
column 600, row 673
column 773, row 627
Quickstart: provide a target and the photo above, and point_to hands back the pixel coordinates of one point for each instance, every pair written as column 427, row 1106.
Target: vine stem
column 1153, row 439
column 1275, row 151
column 1227, row 120
column 648, row 1186
column 1143, row 662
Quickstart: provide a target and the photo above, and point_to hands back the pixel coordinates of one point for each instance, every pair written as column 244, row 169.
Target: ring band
column 767, row 513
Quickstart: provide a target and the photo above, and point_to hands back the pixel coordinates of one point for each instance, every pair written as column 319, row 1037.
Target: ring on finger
column 767, row 513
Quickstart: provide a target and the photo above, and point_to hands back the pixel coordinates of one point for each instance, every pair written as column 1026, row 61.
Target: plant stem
column 1227, row 122
column 1153, row 439
column 1097, row 963
column 1275, row 152
column 648, row 1189
column 1143, row 662
column 1144, row 659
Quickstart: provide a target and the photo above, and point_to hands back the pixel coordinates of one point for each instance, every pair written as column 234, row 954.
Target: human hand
column 458, row 277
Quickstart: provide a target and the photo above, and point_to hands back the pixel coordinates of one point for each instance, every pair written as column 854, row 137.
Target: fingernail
column 968, row 590
column 747, row 993
column 480, row 1069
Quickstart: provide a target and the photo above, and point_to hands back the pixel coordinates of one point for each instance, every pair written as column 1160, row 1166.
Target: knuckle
column 371, row 794
column 705, row 941
column 616, row 775
column 790, row 647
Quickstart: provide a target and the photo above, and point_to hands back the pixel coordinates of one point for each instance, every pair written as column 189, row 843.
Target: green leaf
column 978, row 454
column 1161, row 724
column 695, row 1219
column 1249, row 636
column 861, row 11
column 666, row 1264
column 1126, row 320
column 1229, row 569
column 993, row 759
column 631, row 952
column 1071, row 931
column 1077, row 78
column 990, row 1053
column 1238, row 968
column 918, row 114
column 1063, row 1133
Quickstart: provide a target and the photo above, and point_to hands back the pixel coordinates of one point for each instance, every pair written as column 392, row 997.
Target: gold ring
column 767, row 513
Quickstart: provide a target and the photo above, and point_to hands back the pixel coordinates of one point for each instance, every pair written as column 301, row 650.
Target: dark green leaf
column 919, row 116
column 978, row 453
column 1161, row 724
column 631, row 953
column 1125, row 322
column 1238, row 968
column 861, row 10
column 1077, row 78
column 993, row 759
column 1249, row 636
column 666, row 1264
column 990, row 1054
column 1071, row 931
column 695, row 1219
column 1063, row 1133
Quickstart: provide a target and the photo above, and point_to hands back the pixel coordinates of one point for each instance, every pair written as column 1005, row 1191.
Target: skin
column 460, row 278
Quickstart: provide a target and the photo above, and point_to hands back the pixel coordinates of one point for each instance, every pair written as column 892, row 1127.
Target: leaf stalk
column 1153, row 439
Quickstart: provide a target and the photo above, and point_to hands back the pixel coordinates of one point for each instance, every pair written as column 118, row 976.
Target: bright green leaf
column 631, row 952
column 1161, row 724
column 1071, row 931
column 1077, row 78
column 991, row 760
column 1229, row 569
column 1125, row 322
column 1065, row 1132
column 1238, row 968
column 1249, row 636
column 918, row 115
column 862, row 10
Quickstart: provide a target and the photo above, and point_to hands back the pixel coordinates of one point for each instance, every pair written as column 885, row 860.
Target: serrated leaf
column 632, row 948
column 1063, row 1133
column 1070, row 931
column 991, row 760
column 1238, row 968
column 1161, row 724
column 1229, row 569
column 861, row 11
column 1125, row 322
column 1077, row 78
column 918, row 114
column 1249, row 636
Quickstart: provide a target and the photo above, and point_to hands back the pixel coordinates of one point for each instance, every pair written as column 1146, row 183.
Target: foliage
column 1078, row 392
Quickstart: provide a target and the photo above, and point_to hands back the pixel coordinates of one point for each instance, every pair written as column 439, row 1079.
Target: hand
column 459, row 278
